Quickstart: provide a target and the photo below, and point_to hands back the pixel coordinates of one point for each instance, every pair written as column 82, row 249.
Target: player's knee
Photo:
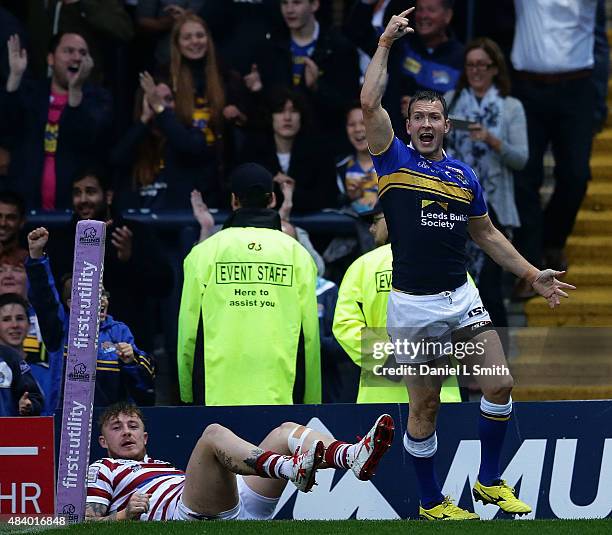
column 287, row 427
column 213, row 432
column 500, row 392
column 279, row 434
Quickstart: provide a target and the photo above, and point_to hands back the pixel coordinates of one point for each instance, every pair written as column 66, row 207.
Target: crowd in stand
column 116, row 105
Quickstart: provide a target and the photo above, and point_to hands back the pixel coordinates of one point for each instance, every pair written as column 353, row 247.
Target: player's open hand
column 398, row 27
column 138, row 504
column 548, row 286
column 37, row 240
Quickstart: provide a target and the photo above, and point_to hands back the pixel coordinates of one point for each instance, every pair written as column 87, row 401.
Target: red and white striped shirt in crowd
column 112, row 482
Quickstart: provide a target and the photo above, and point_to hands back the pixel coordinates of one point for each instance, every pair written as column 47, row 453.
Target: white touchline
column 18, row 450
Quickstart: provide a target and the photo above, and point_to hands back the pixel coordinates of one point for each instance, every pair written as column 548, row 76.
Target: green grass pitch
column 341, row 527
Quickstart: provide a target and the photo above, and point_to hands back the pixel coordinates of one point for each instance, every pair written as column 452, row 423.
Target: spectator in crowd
column 12, row 272
column 319, row 62
column 240, row 29
column 53, row 128
column 251, row 277
column 361, row 316
column 495, row 145
column 206, row 97
column 430, row 58
column 156, row 18
column 13, row 280
column 357, row 184
column 287, row 152
column 15, row 330
column 356, row 176
column 104, row 24
column 136, row 271
column 19, row 393
column 123, row 371
column 553, row 58
column 12, row 219
column 161, row 159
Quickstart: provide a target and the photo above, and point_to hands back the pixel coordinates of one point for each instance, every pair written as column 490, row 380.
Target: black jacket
column 82, row 139
column 338, row 83
column 189, row 163
column 310, row 166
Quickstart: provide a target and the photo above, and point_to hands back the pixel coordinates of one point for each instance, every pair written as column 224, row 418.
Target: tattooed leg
column 210, row 484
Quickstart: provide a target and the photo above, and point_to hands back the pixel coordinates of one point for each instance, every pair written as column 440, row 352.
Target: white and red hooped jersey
column 112, row 482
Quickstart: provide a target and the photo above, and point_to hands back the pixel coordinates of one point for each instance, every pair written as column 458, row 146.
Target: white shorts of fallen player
column 420, row 326
column 251, row 506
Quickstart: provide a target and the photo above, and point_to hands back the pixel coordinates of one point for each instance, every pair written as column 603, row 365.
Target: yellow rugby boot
column 501, row 495
column 447, row 510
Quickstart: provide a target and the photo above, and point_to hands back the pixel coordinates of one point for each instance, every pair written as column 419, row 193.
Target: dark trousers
column 560, row 114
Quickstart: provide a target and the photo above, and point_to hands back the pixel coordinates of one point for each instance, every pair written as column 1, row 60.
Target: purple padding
column 80, row 370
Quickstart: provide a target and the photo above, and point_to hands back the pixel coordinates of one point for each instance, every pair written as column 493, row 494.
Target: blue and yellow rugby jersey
column 427, row 205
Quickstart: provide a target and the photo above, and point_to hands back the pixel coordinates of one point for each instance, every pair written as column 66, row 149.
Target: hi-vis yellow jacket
column 362, row 302
column 254, row 291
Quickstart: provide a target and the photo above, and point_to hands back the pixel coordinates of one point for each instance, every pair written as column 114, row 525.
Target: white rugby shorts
column 432, row 318
column 251, row 506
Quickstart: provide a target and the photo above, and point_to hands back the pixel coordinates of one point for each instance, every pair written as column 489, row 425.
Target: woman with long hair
column 159, row 159
column 494, row 144
column 293, row 154
column 208, row 96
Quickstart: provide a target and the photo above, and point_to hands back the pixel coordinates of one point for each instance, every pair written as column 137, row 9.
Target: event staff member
column 362, row 304
column 248, row 324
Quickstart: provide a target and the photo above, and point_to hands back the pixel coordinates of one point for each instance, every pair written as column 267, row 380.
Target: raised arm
column 379, row 131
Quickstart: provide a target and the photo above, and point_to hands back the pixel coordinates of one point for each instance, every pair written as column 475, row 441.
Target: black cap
column 248, row 177
column 369, row 214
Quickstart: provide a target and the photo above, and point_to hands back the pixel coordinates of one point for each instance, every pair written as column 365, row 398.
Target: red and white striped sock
column 275, row 466
column 340, row 454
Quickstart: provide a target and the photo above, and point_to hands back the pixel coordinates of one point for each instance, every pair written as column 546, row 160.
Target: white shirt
column 554, row 36
column 284, row 159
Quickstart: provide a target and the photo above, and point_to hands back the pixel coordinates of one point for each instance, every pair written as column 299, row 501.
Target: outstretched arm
column 379, row 131
column 495, row 244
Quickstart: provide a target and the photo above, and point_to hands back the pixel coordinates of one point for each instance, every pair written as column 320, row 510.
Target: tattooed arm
column 99, row 511
column 137, row 505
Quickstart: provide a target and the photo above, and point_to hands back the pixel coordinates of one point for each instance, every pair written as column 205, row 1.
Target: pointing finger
column 404, row 14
